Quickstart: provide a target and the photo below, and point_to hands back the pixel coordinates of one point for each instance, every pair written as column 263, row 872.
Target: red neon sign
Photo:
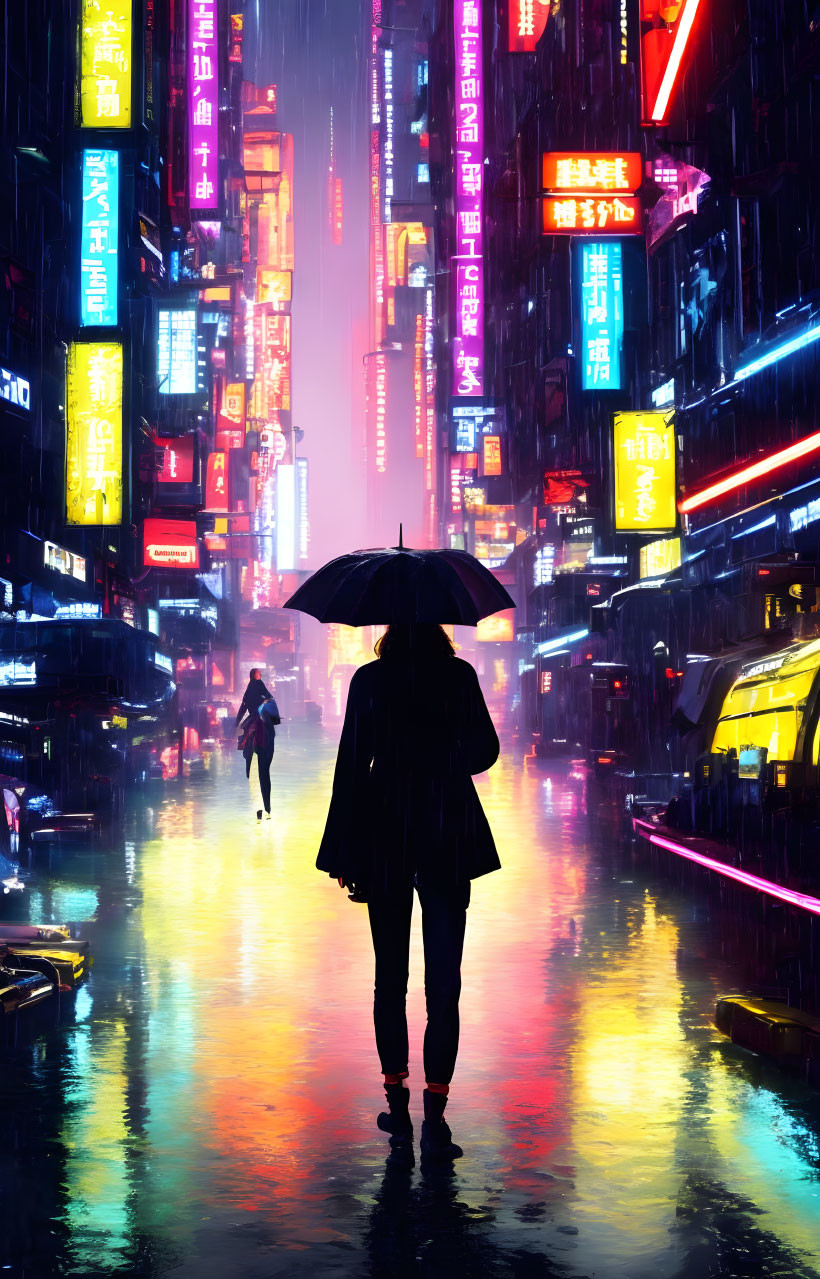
column 216, row 484
column 607, row 171
column 570, row 214
column 528, row 18
column 177, row 461
column 170, row 544
column 756, row 471
column 662, row 50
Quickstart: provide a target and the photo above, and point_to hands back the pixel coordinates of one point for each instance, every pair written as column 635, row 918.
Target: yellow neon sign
column 93, row 451
column 105, row 64
column 644, row 472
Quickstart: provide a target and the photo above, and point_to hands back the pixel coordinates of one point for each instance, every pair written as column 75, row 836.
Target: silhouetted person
column 255, row 694
column 404, row 815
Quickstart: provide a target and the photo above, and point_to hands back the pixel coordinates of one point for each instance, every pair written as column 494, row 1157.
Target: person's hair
column 414, row 640
column 255, row 670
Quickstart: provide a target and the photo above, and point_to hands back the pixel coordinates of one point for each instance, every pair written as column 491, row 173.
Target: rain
column 409, row 639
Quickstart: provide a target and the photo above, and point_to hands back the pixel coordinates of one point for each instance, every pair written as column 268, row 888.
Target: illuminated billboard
column 105, row 64
column 592, row 172
column 468, row 340
column 573, row 215
column 93, row 451
column 286, row 518
column 176, row 352
column 491, row 445
column 662, row 52
column 274, row 287
column 602, row 316
column 177, row 460
column 203, row 104
column 216, row 483
column 170, row 544
column 659, row 558
column 99, row 239
column 644, row 453
column 528, row 18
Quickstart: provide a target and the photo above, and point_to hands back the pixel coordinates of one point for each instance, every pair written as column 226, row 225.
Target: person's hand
column 356, row 894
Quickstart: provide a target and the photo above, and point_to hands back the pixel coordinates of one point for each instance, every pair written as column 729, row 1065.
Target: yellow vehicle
column 773, row 707
column 71, row 959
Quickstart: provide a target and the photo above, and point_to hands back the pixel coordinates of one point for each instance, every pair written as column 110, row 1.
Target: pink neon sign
column 203, row 104
column 468, row 346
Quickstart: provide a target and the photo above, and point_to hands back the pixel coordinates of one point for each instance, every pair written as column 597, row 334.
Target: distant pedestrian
column 255, row 694
column 259, row 734
column 405, row 816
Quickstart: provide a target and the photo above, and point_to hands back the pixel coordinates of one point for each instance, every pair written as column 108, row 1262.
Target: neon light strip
column 802, row 900
column 670, row 75
column 754, row 472
column 755, row 528
column 777, row 353
column 550, row 646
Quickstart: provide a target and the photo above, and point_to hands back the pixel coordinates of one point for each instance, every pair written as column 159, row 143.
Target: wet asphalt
column 207, row 1107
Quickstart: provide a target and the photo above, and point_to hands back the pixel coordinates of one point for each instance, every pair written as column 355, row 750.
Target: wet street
column 209, row 1110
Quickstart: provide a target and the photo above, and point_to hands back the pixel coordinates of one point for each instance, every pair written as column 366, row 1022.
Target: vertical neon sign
column 203, row 103
column 602, row 316
column 100, row 235
column 468, row 346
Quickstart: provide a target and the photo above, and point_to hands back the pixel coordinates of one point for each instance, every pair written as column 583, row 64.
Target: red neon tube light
column 789, row 895
column 754, row 472
column 670, row 75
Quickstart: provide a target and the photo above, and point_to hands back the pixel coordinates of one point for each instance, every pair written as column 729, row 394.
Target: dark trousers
column 443, row 920
column 265, row 759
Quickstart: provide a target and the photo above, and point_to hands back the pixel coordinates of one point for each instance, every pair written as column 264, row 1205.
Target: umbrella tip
column 401, row 537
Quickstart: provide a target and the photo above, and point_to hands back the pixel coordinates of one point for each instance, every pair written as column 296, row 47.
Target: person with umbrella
column 404, row 815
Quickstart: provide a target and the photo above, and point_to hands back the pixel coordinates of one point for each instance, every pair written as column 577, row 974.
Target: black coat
column 255, row 695
column 403, row 798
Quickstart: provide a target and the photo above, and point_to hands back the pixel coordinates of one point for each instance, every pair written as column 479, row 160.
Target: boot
column 396, row 1119
column 436, row 1139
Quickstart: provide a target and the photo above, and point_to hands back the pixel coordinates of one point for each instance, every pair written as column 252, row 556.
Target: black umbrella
column 396, row 584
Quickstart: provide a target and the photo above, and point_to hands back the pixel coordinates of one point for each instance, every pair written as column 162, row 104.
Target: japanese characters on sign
column 602, row 317
column 216, row 483
column 177, row 352
column 203, row 102
column 644, row 450
column 592, row 172
column 573, row 215
column 170, row 544
column 528, row 18
column 492, row 454
column 93, row 455
column 592, row 191
column 15, row 389
column 105, row 64
column 468, row 343
column 100, row 236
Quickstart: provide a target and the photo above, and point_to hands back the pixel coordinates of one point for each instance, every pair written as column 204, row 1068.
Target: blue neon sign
column 100, row 238
column 602, row 316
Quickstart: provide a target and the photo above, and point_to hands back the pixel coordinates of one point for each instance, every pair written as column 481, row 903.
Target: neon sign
column 216, row 483
column 662, row 51
column 602, row 317
column 569, row 215
column 388, row 132
column 644, row 472
column 784, row 457
column 203, row 103
column 591, row 172
column 63, row 561
column 105, row 64
column 468, row 343
column 286, row 518
column 93, row 452
column 528, row 18
column 170, row 544
column 176, row 352
column 177, row 460
column 15, row 389
column 100, row 238
column 302, row 503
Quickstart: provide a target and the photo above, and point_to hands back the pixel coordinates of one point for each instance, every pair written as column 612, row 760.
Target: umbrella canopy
column 396, row 584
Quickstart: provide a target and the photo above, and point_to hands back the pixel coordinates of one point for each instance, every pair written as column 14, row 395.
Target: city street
column 209, row 1108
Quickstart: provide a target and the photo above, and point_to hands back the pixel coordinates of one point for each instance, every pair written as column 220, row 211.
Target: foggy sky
column 312, row 50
